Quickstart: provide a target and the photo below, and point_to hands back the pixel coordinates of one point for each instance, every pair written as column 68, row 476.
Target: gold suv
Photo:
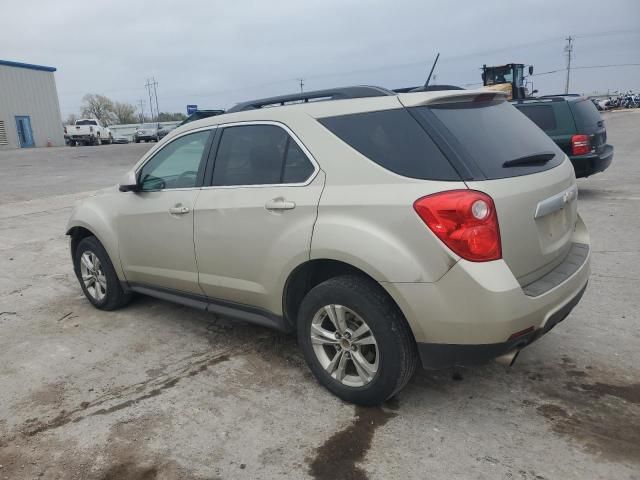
column 384, row 229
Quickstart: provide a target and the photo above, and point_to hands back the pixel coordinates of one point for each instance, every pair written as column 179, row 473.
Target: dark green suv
column 574, row 123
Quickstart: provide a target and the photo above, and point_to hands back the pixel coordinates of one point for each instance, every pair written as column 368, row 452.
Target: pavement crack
column 151, row 388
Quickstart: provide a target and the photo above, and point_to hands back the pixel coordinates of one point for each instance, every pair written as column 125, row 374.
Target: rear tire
column 97, row 277
column 378, row 363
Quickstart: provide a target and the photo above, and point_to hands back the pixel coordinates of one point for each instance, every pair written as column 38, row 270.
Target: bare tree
column 124, row 112
column 98, row 107
column 71, row 119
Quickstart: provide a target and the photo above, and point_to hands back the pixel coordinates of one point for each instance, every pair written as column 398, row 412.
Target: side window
column 541, row 115
column 297, row 167
column 394, row 140
column 259, row 155
column 176, row 165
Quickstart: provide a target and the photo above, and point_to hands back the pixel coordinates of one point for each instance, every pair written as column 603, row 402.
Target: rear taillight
column 465, row 221
column 580, row 144
column 91, row 129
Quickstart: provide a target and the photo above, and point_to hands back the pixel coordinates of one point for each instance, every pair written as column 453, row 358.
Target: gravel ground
column 159, row 391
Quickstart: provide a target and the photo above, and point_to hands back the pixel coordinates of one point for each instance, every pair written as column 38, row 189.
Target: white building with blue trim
column 29, row 106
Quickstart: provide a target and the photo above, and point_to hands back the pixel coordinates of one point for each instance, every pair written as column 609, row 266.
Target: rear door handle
column 178, row 210
column 279, row 204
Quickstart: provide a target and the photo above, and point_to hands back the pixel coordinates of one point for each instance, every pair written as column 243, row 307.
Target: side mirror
column 530, row 69
column 534, row 92
column 129, row 183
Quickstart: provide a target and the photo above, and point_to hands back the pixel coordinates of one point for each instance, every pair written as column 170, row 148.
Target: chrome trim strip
column 556, row 202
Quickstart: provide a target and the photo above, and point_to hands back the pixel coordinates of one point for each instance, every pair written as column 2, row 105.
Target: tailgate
column 500, row 152
column 537, row 214
column 589, row 122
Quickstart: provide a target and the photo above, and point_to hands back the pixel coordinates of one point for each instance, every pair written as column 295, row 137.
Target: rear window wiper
column 535, row 159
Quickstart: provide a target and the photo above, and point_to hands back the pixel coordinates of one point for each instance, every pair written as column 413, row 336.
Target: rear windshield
column 585, row 114
column 541, row 115
column 486, row 134
column 86, row 122
column 394, row 140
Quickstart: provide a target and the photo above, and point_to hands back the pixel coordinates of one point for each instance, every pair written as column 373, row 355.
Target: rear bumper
column 437, row 355
column 473, row 313
column 585, row 165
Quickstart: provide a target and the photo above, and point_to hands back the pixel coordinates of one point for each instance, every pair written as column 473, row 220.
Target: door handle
column 279, row 204
column 178, row 210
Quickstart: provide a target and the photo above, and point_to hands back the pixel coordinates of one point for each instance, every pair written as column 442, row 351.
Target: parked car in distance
column 575, row 125
column 147, row 132
column 88, row 131
column 384, row 229
column 165, row 130
column 199, row 115
column 121, row 140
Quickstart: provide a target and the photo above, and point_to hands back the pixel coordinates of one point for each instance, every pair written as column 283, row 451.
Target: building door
column 25, row 135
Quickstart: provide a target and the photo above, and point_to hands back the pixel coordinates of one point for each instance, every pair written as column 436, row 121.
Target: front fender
column 89, row 216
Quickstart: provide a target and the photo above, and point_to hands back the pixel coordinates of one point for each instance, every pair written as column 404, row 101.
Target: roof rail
column 544, row 98
column 430, row 88
column 317, row 95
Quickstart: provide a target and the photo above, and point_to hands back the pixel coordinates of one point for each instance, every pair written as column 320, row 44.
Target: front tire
column 97, row 277
column 355, row 340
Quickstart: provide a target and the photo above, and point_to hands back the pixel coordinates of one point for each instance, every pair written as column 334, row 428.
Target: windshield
column 496, row 75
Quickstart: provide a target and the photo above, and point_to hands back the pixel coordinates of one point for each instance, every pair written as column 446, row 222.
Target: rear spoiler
column 449, row 96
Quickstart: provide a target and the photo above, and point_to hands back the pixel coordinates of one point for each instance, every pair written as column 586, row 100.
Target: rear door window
column 541, row 115
column 394, row 140
column 486, row 134
column 259, row 155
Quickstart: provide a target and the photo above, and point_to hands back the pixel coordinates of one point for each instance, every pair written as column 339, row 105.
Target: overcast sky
column 215, row 53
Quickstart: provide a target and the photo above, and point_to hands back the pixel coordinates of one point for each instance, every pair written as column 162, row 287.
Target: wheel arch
column 87, row 220
column 311, row 273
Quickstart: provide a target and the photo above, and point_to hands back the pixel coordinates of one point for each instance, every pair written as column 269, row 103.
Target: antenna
column 426, row 84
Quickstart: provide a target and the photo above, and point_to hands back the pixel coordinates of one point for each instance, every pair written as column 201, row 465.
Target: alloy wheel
column 344, row 345
column 93, row 275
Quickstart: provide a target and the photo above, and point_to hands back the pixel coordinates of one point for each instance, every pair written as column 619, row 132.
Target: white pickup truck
column 87, row 131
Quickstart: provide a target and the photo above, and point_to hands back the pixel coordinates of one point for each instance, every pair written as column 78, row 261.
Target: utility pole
column 568, row 48
column 155, row 95
column 148, row 86
column 301, row 85
column 141, row 110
